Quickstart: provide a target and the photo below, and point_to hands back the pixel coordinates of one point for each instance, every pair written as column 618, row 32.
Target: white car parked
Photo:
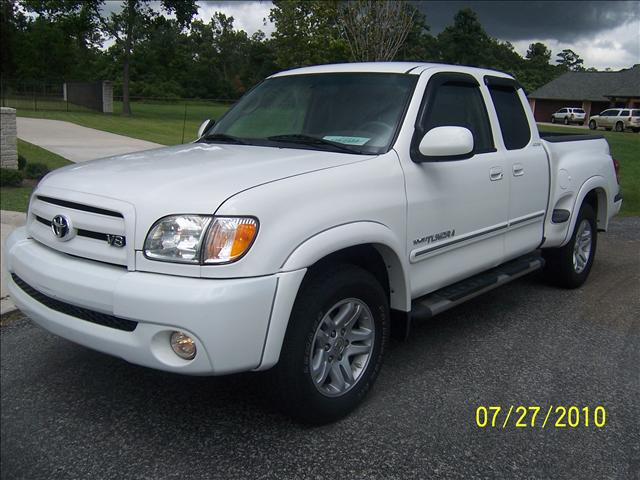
column 326, row 209
column 569, row 115
column 618, row 119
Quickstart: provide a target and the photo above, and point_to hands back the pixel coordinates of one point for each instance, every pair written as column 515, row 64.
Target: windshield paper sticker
column 347, row 140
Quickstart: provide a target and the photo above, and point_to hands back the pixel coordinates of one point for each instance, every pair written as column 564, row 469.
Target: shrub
column 10, row 177
column 22, row 162
column 36, row 170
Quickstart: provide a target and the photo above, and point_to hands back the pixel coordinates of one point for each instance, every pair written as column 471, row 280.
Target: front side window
column 606, row 113
column 511, row 116
column 360, row 112
column 459, row 104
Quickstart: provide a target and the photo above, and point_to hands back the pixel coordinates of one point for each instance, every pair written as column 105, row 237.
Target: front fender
column 352, row 234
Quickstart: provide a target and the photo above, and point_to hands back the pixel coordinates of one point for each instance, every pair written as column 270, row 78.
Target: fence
column 46, row 99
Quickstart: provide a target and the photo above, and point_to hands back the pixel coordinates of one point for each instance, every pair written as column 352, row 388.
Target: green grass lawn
column 625, row 147
column 17, row 198
column 155, row 122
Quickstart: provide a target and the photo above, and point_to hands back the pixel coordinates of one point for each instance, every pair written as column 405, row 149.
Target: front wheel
column 333, row 348
column 592, row 125
column 569, row 266
column 619, row 127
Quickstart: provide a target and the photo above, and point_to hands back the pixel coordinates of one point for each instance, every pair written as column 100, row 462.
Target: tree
column 538, row 53
column 307, row 33
column 569, row 60
column 375, row 29
column 465, row 42
column 128, row 27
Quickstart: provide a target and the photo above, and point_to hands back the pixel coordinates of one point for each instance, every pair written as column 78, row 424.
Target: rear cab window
column 512, row 117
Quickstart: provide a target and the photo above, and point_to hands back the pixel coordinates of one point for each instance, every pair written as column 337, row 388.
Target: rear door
column 527, row 167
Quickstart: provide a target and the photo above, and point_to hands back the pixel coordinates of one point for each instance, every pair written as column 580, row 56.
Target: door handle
column 518, row 170
column 495, row 174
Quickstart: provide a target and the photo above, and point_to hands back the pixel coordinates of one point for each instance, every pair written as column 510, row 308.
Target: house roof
column 593, row 86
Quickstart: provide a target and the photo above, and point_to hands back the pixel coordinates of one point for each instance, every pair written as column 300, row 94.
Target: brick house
column 591, row 91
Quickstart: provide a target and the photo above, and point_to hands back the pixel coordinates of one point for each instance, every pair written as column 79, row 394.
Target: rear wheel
column 619, row 127
column 566, row 121
column 569, row 266
column 553, row 119
column 592, row 125
column 332, row 353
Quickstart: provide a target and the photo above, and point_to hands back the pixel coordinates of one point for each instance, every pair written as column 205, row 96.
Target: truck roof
column 413, row 68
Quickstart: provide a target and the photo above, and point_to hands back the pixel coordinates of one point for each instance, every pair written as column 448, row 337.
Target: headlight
column 176, row 238
column 196, row 239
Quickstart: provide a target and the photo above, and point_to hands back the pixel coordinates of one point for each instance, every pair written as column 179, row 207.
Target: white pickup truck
column 325, row 210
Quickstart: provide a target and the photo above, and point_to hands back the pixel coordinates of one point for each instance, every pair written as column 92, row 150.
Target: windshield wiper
column 311, row 141
column 223, row 137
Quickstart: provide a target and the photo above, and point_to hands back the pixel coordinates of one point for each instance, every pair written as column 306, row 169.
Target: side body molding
column 353, row 234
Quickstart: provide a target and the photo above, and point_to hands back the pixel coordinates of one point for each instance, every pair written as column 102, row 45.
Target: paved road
column 76, row 143
column 68, row 412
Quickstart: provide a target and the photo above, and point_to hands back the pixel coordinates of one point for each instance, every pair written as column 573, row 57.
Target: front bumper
column 230, row 319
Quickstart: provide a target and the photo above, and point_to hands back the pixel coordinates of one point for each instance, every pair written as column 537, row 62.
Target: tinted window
column 562, row 110
column 512, row 117
column 578, row 110
column 606, row 113
column 624, row 113
column 635, row 113
column 461, row 105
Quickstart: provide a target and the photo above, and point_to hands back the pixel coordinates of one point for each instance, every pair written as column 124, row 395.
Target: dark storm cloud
column 562, row 20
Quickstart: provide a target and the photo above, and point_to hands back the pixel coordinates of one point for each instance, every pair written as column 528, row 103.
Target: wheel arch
column 593, row 192
column 370, row 245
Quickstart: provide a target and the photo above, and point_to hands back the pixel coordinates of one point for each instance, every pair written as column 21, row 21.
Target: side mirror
column 446, row 142
column 206, row 125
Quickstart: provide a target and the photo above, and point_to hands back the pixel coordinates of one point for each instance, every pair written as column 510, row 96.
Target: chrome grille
column 97, row 233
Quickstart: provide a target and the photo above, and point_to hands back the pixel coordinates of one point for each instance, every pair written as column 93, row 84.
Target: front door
column 457, row 208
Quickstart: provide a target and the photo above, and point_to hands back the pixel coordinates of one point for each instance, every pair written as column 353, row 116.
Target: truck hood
column 192, row 178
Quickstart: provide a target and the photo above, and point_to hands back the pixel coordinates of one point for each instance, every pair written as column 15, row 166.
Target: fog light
column 183, row 345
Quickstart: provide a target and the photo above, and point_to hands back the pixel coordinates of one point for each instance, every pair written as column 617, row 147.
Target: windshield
column 354, row 112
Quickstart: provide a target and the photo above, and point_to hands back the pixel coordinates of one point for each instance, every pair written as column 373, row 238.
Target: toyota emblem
column 61, row 227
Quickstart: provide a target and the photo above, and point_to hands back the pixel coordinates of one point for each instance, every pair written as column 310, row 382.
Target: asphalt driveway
column 68, row 412
column 75, row 142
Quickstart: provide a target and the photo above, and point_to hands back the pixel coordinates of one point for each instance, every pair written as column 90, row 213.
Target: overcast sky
column 604, row 33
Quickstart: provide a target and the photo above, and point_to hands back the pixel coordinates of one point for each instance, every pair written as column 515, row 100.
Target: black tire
column 635, row 130
column 559, row 266
column 553, row 119
column 619, row 127
column 294, row 388
column 592, row 125
column 566, row 121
